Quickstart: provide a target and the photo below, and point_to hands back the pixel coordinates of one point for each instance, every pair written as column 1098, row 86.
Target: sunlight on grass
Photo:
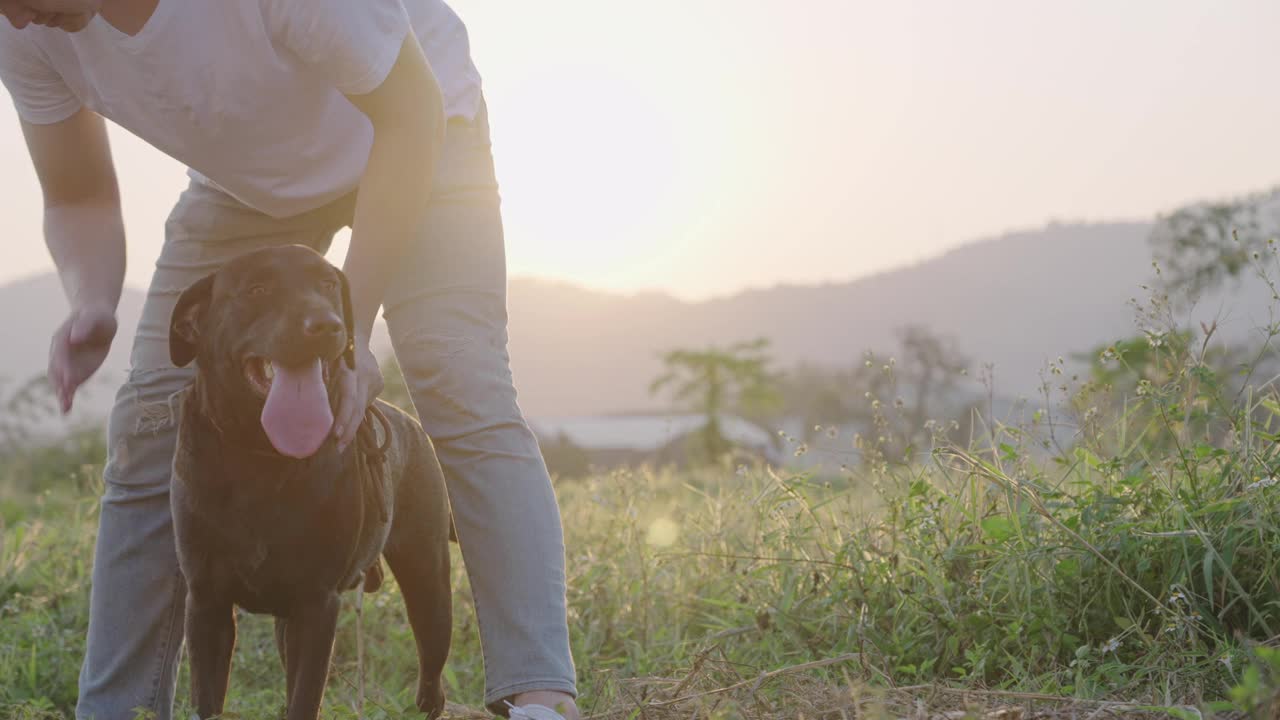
column 663, row 532
column 1112, row 547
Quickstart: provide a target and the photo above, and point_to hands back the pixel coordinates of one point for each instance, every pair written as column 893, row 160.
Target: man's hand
column 356, row 392
column 78, row 349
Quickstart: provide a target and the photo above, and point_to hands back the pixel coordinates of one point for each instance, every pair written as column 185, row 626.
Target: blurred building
column 572, row 445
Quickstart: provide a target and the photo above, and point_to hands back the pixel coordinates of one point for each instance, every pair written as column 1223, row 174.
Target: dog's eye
column 257, row 290
column 330, row 285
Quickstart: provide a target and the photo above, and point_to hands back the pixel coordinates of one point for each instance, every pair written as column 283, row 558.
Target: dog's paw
column 431, row 699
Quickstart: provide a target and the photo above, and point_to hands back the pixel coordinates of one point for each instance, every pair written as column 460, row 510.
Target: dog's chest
column 270, row 535
column 269, row 540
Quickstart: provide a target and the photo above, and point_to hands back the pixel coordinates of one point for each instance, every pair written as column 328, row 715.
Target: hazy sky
column 703, row 146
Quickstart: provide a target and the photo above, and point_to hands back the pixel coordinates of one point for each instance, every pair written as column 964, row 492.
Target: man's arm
column 82, row 221
column 407, row 113
column 84, row 231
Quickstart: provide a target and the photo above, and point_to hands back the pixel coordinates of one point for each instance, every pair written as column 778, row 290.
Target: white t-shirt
column 247, row 93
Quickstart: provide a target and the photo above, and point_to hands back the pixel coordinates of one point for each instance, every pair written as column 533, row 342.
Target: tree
column 933, row 369
column 916, row 396
column 714, row 380
column 820, row 396
column 1199, row 248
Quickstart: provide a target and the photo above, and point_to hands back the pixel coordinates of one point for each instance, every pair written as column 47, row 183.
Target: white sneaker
column 533, row 712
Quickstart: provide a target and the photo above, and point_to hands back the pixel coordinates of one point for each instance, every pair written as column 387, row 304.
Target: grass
column 666, row 571
column 1114, row 580
column 1112, row 552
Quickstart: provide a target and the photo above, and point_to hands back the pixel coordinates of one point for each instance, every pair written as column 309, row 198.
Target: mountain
column 1014, row 301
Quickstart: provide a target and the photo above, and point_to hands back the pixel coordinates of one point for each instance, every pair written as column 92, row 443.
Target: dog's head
column 266, row 331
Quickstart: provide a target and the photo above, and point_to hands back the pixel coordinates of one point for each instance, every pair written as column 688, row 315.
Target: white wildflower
column 1261, row 484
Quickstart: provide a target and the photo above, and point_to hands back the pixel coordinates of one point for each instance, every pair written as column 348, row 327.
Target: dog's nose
column 321, row 324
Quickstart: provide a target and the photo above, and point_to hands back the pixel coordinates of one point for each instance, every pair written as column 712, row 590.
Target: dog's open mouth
column 259, row 372
column 295, row 412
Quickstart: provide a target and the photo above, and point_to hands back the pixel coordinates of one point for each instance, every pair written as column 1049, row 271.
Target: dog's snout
column 322, row 325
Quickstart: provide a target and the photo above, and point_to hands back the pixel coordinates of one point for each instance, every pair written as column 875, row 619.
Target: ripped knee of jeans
column 142, row 429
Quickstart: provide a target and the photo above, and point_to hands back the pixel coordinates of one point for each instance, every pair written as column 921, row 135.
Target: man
column 282, row 110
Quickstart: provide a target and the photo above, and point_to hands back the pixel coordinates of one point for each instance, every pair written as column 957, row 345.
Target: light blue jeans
column 446, row 312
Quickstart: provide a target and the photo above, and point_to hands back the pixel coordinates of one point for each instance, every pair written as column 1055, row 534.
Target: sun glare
column 620, row 189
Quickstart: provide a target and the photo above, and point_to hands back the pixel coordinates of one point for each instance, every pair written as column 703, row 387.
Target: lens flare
column 663, row 532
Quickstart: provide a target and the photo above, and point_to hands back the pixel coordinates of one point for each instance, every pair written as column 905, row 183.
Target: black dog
column 267, row 513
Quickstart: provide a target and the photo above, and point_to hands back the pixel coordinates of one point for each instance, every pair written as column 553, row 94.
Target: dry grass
column 796, row 695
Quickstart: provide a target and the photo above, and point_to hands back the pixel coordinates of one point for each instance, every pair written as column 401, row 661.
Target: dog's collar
column 349, row 352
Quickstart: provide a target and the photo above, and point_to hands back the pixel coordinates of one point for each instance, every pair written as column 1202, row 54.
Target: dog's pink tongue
column 297, row 416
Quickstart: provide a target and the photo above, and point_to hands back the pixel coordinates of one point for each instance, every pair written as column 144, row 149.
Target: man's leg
column 137, row 598
column 448, row 321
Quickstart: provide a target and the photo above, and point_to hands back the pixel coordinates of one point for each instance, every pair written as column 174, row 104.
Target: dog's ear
column 348, row 320
column 184, row 324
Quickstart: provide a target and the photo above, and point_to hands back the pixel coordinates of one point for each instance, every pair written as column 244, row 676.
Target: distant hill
column 1014, row 301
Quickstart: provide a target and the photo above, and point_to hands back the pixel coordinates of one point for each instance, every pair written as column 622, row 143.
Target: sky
column 701, row 147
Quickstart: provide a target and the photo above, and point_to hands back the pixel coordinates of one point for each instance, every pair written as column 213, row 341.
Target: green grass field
column 733, row 573
column 1115, row 557
column 1133, row 579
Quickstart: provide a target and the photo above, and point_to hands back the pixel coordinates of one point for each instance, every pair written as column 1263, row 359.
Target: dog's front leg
column 308, row 644
column 211, row 639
